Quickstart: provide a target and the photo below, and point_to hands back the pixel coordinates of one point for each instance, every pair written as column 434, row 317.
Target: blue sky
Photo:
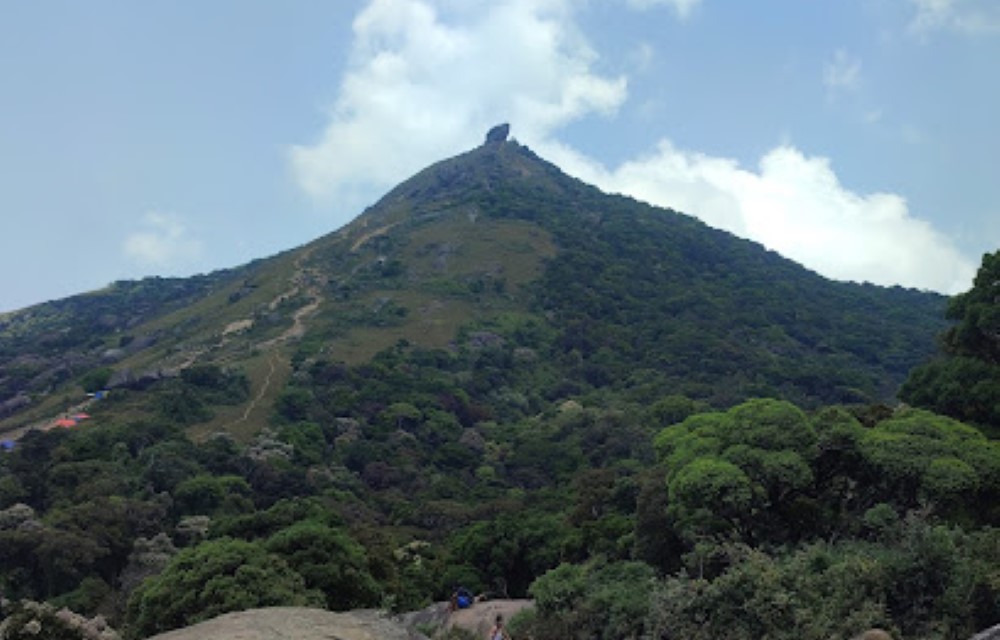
column 856, row 137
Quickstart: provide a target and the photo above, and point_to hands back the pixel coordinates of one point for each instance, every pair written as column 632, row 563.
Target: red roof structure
column 65, row 422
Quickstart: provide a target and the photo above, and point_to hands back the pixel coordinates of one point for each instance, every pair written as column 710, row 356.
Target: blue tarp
column 6, row 445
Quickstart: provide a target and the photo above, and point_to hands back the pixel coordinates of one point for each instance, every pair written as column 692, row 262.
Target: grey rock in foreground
column 281, row 623
column 993, row 633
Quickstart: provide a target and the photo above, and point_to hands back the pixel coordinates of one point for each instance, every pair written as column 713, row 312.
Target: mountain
column 495, row 247
column 501, row 378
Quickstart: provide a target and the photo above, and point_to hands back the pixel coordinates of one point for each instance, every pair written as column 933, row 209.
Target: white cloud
column 428, row 78
column 682, row 7
column 795, row 205
column 843, row 72
column 164, row 242
column 421, row 87
column 972, row 17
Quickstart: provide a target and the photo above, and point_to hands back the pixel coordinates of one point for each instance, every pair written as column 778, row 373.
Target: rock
column 140, row 343
column 993, row 633
column 498, row 134
column 478, row 618
column 13, row 404
column 112, row 355
column 874, row 634
column 433, row 617
column 281, row 623
column 120, row 378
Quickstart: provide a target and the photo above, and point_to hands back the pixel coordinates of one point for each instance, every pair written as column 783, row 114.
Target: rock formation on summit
column 498, row 134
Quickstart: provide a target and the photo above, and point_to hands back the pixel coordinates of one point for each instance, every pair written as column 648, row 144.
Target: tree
column 208, row 495
column 977, row 312
column 211, row 579
column 515, row 549
column 965, row 382
column 598, row 599
column 917, row 455
column 742, row 471
column 329, row 560
column 710, row 496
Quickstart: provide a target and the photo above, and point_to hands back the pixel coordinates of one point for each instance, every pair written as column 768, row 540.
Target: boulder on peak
column 497, row 134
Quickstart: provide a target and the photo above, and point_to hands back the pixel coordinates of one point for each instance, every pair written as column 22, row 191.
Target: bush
column 211, row 579
column 593, row 600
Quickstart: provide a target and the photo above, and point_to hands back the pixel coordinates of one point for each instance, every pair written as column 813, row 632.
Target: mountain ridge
column 492, row 231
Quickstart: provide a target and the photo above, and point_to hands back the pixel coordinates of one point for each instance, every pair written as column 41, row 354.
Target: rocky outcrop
column 281, row 623
column 7, row 407
column 478, row 618
column 498, row 134
column 475, row 620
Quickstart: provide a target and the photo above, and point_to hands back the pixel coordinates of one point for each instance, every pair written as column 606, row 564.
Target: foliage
column 917, row 580
column 738, row 472
column 27, row 620
column 52, row 344
column 209, row 495
column 597, row 599
column 329, row 561
column 512, row 549
column 919, row 456
column 965, row 382
column 213, row 578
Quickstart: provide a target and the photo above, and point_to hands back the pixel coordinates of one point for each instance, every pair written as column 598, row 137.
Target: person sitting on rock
column 461, row 598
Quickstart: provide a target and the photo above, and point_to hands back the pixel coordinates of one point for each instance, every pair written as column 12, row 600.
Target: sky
column 856, row 137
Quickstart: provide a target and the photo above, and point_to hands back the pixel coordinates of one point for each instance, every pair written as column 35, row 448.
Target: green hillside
column 619, row 294
column 500, row 377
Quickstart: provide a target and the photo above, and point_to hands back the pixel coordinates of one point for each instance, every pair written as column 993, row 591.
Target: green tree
column 744, row 471
column 598, row 599
column 977, row 311
column 514, row 549
column 329, row 560
column 208, row 495
column 211, row 579
column 917, row 455
column 965, row 383
column 710, row 496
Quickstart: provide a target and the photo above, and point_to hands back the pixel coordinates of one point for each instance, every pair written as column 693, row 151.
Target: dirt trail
column 371, row 234
column 303, row 278
column 257, row 398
